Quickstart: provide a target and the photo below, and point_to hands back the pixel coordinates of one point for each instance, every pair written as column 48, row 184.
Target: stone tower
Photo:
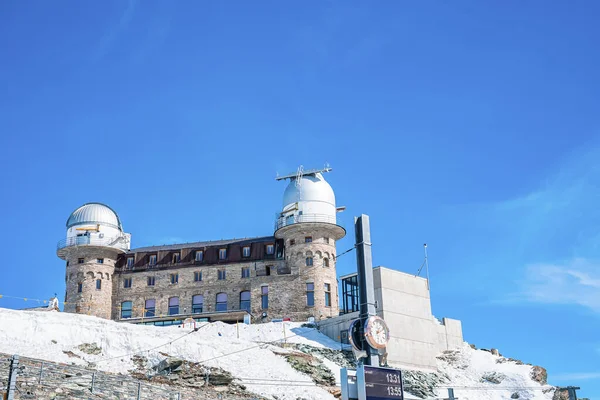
column 308, row 226
column 94, row 239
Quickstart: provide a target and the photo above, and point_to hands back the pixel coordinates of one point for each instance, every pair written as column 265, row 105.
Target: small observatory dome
column 95, row 213
column 310, row 195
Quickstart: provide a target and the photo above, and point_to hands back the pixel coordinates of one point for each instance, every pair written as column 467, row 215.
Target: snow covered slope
column 249, row 352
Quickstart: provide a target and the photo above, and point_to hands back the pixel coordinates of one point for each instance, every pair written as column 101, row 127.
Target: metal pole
column 41, row 372
column 93, row 380
column 12, row 377
column 139, row 393
column 572, row 392
column 365, row 280
column 451, row 394
column 426, row 265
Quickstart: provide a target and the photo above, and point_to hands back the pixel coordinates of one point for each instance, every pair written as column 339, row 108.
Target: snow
column 244, row 350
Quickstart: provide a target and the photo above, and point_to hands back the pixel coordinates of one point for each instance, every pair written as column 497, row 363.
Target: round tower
column 94, row 239
column 308, row 225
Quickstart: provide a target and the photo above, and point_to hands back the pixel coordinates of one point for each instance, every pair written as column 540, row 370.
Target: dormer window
column 199, row 255
column 222, row 254
column 130, row 261
column 246, row 251
column 176, row 257
column 270, row 249
column 152, row 259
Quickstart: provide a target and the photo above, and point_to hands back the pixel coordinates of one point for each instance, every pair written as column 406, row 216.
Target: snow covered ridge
column 273, row 360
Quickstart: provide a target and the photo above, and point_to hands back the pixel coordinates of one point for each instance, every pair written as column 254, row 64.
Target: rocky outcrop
column 423, row 384
column 493, row 377
column 311, row 366
column 90, row 348
column 539, row 375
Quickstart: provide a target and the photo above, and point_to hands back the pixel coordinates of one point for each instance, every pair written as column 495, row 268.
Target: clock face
column 377, row 332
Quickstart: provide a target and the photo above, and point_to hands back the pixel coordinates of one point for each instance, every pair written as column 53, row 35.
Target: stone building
column 291, row 274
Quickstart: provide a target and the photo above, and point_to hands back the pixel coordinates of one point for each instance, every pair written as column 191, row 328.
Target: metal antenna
column 426, row 264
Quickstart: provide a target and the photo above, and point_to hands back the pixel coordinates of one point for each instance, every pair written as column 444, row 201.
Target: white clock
column 377, row 332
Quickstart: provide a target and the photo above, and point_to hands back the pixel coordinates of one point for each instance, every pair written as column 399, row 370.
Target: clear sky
column 472, row 126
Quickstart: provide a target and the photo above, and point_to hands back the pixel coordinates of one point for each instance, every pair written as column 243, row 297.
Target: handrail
column 295, row 219
column 117, row 241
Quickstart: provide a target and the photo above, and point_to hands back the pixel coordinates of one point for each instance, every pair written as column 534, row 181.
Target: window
column 67, row 263
column 126, row 308
column 245, row 272
column 152, row 259
column 264, row 297
column 130, row 262
column 222, row 254
column 199, row 255
column 150, row 308
column 246, row 251
column 308, row 239
column 292, row 242
column 197, row 276
column 79, row 287
column 268, row 270
column 309, row 261
column 326, row 262
column 245, row 301
column 100, row 260
column 310, row 294
column 222, row 275
column 127, row 283
column 221, row 302
column 270, row 249
column 174, row 279
column 176, row 257
column 150, row 281
column 327, row 295
column 197, row 304
column 80, row 260
column 98, row 284
column 173, row 305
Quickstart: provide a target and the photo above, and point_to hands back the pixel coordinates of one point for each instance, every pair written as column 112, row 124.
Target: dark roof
column 209, row 243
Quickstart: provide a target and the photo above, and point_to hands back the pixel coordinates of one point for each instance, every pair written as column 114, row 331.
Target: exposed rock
column 493, row 377
column 515, row 395
column 423, row 384
column 561, row 394
column 539, row 375
column 54, row 341
column 90, row 348
column 71, row 354
column 168, row 365
column 473, row 346
column 311, row 366
column 495, row 352
column 344, row 358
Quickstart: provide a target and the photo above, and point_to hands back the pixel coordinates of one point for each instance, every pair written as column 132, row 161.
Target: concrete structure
column 291, row 274
column 416, row 336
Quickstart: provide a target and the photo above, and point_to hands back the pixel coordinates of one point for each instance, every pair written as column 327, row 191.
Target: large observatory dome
column 94, row 213
column 310, row 188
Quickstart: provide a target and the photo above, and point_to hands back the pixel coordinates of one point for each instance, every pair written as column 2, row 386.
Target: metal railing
column 119, row 242
column 296, row 219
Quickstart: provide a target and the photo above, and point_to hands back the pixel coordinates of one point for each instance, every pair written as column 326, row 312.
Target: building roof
column 209, row 243
column 94, row 213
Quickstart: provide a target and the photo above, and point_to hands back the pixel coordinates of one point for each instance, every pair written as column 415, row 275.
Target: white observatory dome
column 95, row 213
column 312, row 195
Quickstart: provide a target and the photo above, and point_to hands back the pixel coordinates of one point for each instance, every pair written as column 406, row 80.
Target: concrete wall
column 406, row 307
column 416, row 336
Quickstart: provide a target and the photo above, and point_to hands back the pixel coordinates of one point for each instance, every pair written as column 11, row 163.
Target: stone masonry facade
column 297, row 276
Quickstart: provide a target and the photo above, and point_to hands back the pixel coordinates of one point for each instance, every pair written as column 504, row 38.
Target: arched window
column 197, row 304
column 309, row 261
column 326, row 262
column 126, row 308
column 245, row 300
column 221, row 302
column 173, row 305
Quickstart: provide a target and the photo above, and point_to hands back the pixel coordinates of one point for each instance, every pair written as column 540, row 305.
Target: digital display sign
column 383, row 383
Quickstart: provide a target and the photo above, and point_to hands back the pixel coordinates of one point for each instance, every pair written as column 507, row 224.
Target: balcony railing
column 296, row 219
column 119, row 242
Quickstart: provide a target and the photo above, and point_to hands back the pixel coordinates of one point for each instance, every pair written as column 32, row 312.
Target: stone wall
column 91, row 301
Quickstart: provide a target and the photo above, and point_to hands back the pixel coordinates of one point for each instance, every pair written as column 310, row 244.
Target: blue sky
column 472, row 126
